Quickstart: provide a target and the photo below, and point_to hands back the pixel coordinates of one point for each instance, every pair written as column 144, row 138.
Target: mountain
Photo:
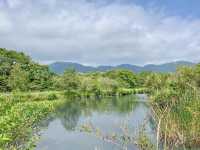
column 59, row 67
column 167, row 67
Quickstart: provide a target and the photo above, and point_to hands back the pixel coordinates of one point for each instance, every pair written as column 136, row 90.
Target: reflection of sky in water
column 108, row 115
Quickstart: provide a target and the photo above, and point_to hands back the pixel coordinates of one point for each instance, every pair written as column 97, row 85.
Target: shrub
column 52, row 96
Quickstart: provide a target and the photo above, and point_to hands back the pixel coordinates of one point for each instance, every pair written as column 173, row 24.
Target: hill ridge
column 60, row 66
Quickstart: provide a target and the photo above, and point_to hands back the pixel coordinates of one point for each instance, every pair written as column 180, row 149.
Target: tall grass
column 176, row 107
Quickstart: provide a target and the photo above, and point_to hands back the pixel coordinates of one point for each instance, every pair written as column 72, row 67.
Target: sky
column 102, row 32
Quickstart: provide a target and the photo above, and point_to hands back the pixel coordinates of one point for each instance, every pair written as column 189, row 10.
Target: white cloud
column 13, row 3
column 5, row 23
column 95, row 33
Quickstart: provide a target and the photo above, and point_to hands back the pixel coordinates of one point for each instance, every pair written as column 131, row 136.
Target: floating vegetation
column 19, row 118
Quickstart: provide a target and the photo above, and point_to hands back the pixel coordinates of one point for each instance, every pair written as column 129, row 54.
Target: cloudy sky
column 107, row 32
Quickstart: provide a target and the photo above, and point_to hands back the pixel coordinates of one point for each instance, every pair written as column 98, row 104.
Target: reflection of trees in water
column 70, row 112
column 69, row 115
column 124, row 104
column 121, row 105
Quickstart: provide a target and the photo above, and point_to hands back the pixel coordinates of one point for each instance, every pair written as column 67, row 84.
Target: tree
column 71, row 80
column 13, row 56
column 126, row 78
column 108, row 84
column 5, row 68
column 18, row 79
column 40, row 77
column 8, row 59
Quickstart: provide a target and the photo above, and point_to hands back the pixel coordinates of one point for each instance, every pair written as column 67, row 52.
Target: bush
column 52, row 96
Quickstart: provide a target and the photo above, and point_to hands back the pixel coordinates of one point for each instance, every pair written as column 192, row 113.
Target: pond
column 70, row 127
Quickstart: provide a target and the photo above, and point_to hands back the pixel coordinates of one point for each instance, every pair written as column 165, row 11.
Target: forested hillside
column 19, row 72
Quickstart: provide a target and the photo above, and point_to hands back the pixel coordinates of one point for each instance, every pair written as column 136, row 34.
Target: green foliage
column 95, row 84
column 52, row 96
column 16, row 68
column 4, row 83
column 40, row 78
column 13, row 56
column 18, row 79
column 19, row 112
column 18, row 72
column 71, row 80
column 176, row 103
column 144, row 142
column 142, row 78
column 5, row 68
column 125, row 78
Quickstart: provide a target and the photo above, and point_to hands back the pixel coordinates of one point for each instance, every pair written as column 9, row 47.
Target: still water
column 108, row 116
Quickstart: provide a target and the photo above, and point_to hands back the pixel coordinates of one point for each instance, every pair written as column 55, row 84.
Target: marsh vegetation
column 31, row 93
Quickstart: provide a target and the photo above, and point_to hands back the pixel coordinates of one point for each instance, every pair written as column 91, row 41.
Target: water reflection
column 70, row 112
column 107, row 114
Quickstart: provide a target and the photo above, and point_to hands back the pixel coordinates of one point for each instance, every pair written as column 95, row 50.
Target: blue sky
column 189, row 8
column 173, row 7
column 104, row 32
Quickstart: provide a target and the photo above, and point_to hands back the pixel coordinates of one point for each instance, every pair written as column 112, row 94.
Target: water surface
column 108, row 115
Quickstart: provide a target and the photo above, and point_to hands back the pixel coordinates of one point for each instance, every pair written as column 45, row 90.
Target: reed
column 176, row 109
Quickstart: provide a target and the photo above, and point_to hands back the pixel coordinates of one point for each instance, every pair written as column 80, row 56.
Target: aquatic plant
column 125, row 139
column 18, row 119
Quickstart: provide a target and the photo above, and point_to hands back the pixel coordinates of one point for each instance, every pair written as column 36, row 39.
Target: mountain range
column 60, row 67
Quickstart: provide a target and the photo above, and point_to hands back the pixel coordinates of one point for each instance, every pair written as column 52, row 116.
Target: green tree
column 13, row 56
column 71, row 80
column 18, row 79
column 40, row 77
column 57, row 82
column 126, row 78
column 5, row 68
